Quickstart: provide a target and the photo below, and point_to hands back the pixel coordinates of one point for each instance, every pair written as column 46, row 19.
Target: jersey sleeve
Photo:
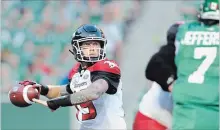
column 110, row 72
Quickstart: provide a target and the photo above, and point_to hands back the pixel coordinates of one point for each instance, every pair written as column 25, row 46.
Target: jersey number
column 111, row 64
column 210, row 55
column 86, row 111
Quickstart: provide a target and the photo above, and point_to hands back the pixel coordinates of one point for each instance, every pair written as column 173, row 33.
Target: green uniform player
column 195, row 92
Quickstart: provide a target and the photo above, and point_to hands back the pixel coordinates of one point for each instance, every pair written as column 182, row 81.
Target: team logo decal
column 85, row 76
column 76, row 78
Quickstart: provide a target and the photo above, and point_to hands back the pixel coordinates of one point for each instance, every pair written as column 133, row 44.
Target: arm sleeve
column 68, row 89
column 112, row 80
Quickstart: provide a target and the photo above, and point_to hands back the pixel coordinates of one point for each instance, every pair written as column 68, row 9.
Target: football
column 21, row 96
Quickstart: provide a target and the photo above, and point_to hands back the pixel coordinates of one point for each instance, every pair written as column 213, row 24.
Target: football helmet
column 209, row 10
column 84, row 33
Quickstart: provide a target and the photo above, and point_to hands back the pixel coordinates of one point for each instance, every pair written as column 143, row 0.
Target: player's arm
column 93, row 92
column 102, row 82
column 105, row 79
column 161, row 68
column 50, row 91
column 53, row 91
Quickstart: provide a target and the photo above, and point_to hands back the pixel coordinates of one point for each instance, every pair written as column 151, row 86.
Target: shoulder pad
column 106, row 66
column 73, row 70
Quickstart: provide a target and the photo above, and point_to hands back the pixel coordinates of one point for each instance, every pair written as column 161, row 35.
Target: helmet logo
column 213, row 6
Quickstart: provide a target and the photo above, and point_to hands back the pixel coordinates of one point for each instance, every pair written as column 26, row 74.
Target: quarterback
column 94, row 86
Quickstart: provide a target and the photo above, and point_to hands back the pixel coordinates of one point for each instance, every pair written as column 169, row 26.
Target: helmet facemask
column 89, row 54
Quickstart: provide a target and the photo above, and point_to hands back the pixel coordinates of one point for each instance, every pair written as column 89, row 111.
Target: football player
column 95, row 87
column 155, row 108
column 195, row 91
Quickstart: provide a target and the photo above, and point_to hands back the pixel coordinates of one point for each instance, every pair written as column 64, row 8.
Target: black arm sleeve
column 68, row 89
column 112, row 80
column 62, row 101
column 161, row 67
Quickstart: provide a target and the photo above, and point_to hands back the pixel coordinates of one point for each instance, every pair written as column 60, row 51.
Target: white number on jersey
column 111, row 64
column 210, row 55
column 86, row 111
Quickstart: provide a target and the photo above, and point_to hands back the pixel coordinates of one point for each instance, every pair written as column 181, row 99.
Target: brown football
column 21, row 96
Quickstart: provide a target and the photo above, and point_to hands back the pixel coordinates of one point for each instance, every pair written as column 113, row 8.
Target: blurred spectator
column 9, row 67
column 132, row 15
column 112, row 31
column 190, row 9
column 94, row 11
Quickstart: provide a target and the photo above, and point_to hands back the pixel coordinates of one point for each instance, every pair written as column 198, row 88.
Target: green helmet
column 210, row 10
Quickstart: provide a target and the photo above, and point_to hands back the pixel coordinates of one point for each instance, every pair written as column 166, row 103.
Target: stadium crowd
column 36, row 35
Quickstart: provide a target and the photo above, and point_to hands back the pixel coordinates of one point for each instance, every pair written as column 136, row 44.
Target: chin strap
column 71, row 52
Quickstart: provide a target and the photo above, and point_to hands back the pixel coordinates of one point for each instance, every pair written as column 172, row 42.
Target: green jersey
column 195, row 92
column 197, row 60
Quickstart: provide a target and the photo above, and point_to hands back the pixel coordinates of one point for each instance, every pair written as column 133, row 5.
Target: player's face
column 90, row 48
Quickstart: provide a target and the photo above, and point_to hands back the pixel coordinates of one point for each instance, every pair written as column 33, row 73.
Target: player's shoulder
column 74, row 70
column 106, row 65
column 186, row 26
column 172, row 31
column 189, row 24
column 176, row 25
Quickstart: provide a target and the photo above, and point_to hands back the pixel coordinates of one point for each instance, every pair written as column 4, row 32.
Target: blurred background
column 35, row 39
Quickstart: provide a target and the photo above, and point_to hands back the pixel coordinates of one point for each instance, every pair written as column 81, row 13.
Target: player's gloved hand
column 52, row 105
column 27, row 82
column 42, row 89
column 32, row 83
